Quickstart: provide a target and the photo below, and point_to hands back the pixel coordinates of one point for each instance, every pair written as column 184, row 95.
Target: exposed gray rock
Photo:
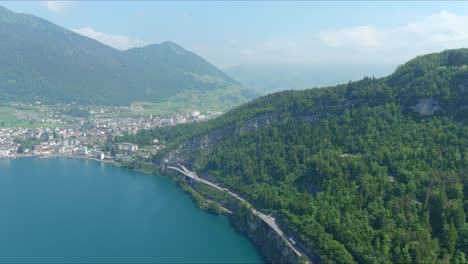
column 184, row 152
column 268, row 241
column 260, row 121
column 426, row 107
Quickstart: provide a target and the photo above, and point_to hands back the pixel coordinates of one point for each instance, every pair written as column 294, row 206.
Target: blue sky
column 231, row 33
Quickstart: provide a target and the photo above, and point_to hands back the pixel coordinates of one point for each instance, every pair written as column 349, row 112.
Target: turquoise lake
column 72, row 210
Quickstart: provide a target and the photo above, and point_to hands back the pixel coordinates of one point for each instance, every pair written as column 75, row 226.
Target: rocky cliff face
column 426, row 107
column 199, row 146
column 272, row 246
column 187, row 150
column 267, row 240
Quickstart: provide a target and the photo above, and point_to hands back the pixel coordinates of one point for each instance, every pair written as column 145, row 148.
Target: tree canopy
column 372, row 171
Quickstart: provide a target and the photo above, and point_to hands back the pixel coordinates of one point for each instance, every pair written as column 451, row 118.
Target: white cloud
column 357, row 37
column 58, row 7
column 120, row 42
column 443, row 29
column 363, row 44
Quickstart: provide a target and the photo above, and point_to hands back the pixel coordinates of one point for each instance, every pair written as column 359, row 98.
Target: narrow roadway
column 267, row 219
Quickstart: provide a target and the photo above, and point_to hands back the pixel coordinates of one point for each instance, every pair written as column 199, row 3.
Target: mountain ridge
column 372, row 171
column 44, row 62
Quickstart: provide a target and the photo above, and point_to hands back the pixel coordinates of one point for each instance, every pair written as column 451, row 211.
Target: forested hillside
column 373, row 171
column 40, row 61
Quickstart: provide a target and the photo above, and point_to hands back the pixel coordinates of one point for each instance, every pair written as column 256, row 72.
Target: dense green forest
column 372, row 171
column 41, row 61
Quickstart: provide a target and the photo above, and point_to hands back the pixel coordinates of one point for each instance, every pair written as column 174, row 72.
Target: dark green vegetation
column 41, row 61
column 76, row 112
column 373, row 171
column 211, row 206
column 27, row 143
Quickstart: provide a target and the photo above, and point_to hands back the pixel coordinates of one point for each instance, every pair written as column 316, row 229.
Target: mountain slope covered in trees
column 40, row 61
column 374, row 171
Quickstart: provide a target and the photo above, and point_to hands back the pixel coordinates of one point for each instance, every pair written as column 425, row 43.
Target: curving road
column 267, row 219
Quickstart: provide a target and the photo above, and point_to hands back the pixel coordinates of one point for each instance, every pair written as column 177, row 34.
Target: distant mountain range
column 268, row 78
column 40, row 61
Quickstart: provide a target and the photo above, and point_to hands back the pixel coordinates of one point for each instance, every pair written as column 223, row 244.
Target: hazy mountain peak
column 174, row 47
column 4, row 10
column 44, row 62
column 7, row 16
column 164, row 46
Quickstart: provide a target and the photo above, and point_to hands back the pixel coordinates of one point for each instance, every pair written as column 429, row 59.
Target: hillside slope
column 373, row 171
column 41, row 61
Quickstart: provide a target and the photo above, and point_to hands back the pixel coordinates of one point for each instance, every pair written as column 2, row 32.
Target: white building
column 128, row 147
column 83, row 151
column 4, row 152
column 98, row 155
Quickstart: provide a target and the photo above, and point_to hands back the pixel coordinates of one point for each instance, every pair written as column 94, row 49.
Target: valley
column 336, row 134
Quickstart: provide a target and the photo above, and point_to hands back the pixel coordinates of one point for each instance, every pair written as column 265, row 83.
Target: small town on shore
column 84, row 131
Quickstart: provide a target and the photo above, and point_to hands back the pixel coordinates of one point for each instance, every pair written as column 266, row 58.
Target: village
column 84, row 132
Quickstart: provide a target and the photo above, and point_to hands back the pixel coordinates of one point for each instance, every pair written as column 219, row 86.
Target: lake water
column 72, row 210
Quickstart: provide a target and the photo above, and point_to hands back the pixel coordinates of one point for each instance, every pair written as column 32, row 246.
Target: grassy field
column 189, row 101
column 219, row 100
column 7, row 118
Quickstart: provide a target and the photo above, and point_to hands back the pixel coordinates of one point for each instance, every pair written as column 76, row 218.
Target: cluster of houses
column 74, row 135
column 60, row 142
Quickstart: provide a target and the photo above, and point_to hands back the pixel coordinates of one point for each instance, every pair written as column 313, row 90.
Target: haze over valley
column 269, row 78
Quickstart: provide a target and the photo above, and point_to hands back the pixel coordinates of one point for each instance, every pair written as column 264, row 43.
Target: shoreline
column 225, row 212
column 63, row 156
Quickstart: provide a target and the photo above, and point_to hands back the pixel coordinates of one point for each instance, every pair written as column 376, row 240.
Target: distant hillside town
column 84, row 131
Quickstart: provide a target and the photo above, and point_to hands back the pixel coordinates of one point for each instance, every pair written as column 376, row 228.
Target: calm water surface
column 71, row 210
